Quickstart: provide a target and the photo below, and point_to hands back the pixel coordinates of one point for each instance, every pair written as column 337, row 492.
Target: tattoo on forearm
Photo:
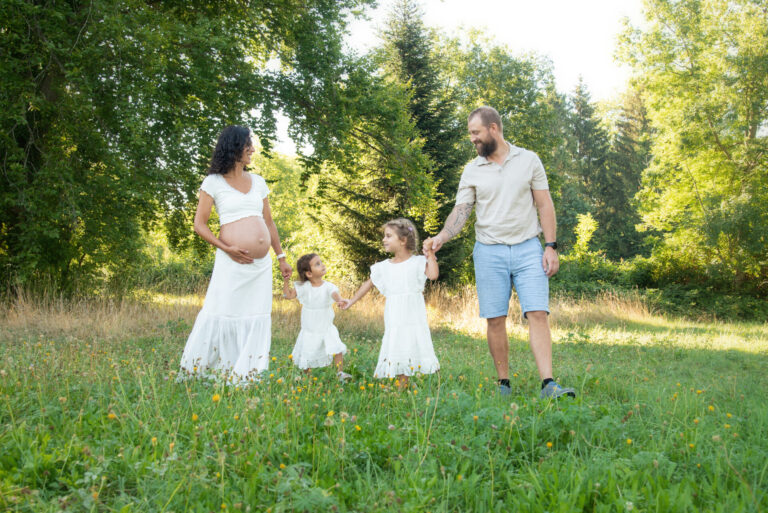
column 457, row 219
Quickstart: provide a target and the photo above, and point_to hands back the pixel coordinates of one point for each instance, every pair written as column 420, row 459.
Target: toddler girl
column 407, row 345
column 318, row 343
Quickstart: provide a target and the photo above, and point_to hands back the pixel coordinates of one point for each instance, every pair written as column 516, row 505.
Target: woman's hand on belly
column 238, row 255
column 249, row 236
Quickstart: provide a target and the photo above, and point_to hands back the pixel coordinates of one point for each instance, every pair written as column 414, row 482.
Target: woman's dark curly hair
column 233, row 140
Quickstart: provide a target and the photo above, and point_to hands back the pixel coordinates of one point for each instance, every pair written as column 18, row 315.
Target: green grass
column 671, row 416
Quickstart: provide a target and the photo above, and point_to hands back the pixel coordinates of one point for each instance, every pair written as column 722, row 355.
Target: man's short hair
column 488, row 115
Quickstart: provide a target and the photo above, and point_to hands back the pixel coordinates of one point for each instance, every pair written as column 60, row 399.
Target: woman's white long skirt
column 233, row 331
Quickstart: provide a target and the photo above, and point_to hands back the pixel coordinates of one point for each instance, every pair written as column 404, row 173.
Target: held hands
column 344, row 304
column 238, row 255
column 550, row 262
column 432, row 244
column 285, row 269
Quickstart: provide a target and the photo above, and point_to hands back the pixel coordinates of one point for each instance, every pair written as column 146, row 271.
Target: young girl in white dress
column 318, row 343
column 406, row 348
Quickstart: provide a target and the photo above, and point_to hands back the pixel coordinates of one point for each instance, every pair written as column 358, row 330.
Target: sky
column 578, row 36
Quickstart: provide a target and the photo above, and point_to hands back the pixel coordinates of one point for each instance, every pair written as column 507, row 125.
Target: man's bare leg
column 541, row 342
column 499, row 345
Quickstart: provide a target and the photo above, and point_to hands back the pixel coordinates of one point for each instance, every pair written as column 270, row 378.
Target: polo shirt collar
column 513, row 151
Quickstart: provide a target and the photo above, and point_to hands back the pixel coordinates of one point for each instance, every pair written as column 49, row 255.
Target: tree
column 109, row 110
column 704, row 67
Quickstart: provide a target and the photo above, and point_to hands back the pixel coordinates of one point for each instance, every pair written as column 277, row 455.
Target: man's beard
column 486, row 148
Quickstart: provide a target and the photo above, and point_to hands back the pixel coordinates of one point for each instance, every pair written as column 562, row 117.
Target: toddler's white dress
column 318, row 339
column 407, row 344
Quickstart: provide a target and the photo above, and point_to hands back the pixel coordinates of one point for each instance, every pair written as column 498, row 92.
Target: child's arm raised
column 432, row 271
column 363, row 290
column 288, row 291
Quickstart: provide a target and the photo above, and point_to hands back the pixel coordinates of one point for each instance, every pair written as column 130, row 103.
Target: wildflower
column 274, row 359
column 695, row 421
column 358, row 428
column 479, row 385
column 223, row 506
column 629, row 441
column 282, row 466
column 330, row 413
column 362, row 387
column 194, row 417
column 290, row 357
column 728, row 415
column 154, row 440
column 62, row 400
column 735, row 435
column 328, row 422
column 691, row 445
column 216, row 398
column 698, row 391
column 111, row 416
column 630, row 506
column 716, row 438
column 171, row 445
column 237, row 417
column 727, row 426
column 280, row 380
column 391, row 427
column 711, row 408
column 95, row 495
column 549, row 445
column 514, row 375
column 474, row 417
column 459, row 477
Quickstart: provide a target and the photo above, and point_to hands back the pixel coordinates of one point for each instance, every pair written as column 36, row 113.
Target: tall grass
column 670, row 415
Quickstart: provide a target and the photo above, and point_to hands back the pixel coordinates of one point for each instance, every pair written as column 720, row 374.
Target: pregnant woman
column 233, row 331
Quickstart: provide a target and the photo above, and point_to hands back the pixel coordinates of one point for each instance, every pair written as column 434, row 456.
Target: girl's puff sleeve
column 421, row 270
column 377, row 277
column 301, row 292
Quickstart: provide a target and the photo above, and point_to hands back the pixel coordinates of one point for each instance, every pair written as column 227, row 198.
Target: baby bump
column 249, row 233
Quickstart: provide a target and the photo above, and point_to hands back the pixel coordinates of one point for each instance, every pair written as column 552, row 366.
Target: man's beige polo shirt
column 503, row 197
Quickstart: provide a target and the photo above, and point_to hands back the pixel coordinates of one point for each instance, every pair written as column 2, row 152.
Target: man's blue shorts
column 499, row 266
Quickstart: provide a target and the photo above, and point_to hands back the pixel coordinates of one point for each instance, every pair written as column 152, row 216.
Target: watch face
column 552, row 245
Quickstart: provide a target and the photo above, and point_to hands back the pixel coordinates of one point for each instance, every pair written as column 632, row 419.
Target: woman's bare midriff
column 249, row 233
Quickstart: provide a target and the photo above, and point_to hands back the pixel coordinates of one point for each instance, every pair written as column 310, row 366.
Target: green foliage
column 703, row 69
column 109, row 109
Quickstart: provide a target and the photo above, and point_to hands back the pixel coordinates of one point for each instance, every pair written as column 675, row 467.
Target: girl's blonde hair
column 303, row 265
column 404, row 229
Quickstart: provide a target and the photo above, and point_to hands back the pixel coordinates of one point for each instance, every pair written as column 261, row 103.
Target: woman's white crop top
column 232, row 204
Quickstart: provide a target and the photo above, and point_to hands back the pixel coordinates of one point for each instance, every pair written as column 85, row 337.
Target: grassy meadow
column 670, row 416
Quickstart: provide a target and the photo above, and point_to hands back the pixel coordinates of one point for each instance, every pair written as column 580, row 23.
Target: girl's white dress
column 233, row 331
column 407, row 344
column 318, row 339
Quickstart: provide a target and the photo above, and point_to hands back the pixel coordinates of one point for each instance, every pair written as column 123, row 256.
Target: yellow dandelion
column 171, row 445
column 280, row 380
column 274, row 358
column 111, row 416
column 514, row 375
column 474, row 417
column 479, row 385
column 223, row 506
column 549, row 445
column 728, row 415
column 362, row 387
column 358, row 428
column 711, row 408
column 95, row 495
column 330, row 413
column 698, row 465
column 290, row 357
column 237, row 417
column 216, row 398
column 691, row 445
column 695, row 421
column 459, row 477
column 678, row 384
column 727, row 426
column 629, row 441
column 282, row 466
column 194, row 417
column 698, row 391
column 154, row 440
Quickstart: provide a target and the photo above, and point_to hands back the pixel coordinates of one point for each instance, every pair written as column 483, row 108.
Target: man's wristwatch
column 552, row 245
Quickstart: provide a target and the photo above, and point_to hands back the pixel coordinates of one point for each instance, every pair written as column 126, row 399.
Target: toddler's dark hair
column 405, row 229
column 303, row 267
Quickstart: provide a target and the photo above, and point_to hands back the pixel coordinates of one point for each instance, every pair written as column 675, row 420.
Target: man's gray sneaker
column 555, row 391
column 504, row 390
